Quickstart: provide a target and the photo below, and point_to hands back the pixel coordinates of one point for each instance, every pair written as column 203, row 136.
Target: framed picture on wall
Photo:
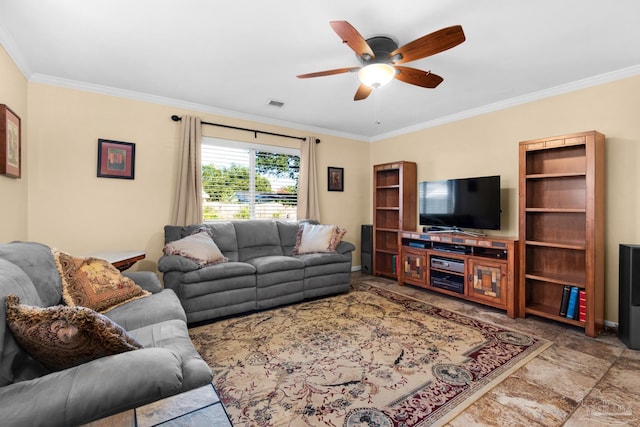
column 116, row 159
column 335, row 178
column 10, row 143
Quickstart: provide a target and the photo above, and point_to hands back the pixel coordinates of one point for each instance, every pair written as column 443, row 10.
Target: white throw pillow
column 315, row 238
column 198, row 247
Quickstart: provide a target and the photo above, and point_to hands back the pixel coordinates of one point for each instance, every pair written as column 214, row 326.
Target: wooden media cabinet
column 480, row 269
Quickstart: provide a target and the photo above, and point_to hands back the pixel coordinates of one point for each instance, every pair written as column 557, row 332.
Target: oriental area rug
column 370, row 357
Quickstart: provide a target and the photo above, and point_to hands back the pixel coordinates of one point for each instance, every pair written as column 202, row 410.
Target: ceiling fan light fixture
column 376, row 75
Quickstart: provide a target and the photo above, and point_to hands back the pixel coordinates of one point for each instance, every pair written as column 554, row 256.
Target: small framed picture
column 10, row 143
column 116, row 159
column 335, row 178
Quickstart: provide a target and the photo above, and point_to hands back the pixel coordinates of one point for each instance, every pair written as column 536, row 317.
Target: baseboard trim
column 610, row 326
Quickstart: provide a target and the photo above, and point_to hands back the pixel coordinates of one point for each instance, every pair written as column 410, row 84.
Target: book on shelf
column 394, row 264
column 572, row 307
column 566, row 290
column 582, row 305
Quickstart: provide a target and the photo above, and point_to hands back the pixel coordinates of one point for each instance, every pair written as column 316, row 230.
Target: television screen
column 461, row 203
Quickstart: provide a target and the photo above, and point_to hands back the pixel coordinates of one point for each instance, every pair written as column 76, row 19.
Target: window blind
column 248, row 181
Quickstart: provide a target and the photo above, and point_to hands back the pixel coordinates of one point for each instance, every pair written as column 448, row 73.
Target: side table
column 120, row 259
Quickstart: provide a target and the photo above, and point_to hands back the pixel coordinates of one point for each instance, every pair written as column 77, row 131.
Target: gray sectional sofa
column 31, row 395
column 261, row 271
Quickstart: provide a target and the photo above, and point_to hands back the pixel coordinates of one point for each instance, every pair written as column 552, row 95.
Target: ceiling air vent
column 274, row 103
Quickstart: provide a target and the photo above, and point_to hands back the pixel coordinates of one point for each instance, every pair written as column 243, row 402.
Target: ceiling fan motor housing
column 381, row 46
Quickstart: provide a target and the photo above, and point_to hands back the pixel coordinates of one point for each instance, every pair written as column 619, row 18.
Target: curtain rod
column 255, row 131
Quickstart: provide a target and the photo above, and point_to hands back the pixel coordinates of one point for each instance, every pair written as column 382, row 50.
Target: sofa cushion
column 257, row 238
column 232, row 290
column 219, row 271
column 13, row 358
column 155, row 308
column 60, row 337
column 288, row 234
column 36, row 260
column 199, row 248
column 94, row 283
column 224, row 234
column 269, row 264
column 147, row 280
column 323, row 258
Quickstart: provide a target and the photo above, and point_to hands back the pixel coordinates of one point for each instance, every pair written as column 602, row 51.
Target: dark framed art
column 116, row 159
column 335, row 179
column 10, row 143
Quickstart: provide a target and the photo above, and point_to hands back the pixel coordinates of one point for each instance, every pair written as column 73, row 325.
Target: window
column 248, row 181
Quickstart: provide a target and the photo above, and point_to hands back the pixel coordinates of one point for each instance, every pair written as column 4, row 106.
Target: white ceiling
column 232, row 57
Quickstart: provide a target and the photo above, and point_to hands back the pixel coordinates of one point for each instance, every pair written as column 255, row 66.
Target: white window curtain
column 308, row 206
column 188, row 199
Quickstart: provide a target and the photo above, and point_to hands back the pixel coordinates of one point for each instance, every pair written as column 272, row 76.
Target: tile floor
column 578, row 381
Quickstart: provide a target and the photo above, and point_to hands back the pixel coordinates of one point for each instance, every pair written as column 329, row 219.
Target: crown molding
column 489, row 108
column 14, row 53
column 519, row 100
column 186, row 105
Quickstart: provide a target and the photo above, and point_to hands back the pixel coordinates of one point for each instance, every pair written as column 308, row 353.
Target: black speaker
column 366, row 248
column 629, row 296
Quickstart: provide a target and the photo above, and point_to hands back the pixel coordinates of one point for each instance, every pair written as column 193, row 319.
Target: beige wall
column 488, row 145
column 65, row 205
column 75, row 211
column 13, row 192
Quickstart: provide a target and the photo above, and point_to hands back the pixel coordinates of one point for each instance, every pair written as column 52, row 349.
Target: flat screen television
column 460, row 203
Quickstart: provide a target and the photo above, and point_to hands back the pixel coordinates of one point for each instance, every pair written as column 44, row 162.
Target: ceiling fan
column 381, row 55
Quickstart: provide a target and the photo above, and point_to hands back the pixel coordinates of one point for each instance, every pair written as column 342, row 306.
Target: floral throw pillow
column 61, row 337
column 94, row 283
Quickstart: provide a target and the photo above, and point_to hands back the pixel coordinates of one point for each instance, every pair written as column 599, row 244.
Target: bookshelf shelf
column 553, row 175
column 558, row 278
column 578, row 246
column 544, row 311
column 556, row 210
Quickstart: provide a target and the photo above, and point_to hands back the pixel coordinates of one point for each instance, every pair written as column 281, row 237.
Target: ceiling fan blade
column 417, row 77
column 428, row 45
column 328, row 72
column 353, row 39
column 362, row 92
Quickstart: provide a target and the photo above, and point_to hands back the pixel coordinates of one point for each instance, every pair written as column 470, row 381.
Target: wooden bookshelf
column 561, row 210
column 394, row 209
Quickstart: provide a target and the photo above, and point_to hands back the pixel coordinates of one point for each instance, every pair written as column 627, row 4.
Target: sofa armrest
column 345, row 247
column 147, row 280
column 176, row 263
column 93, row 390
